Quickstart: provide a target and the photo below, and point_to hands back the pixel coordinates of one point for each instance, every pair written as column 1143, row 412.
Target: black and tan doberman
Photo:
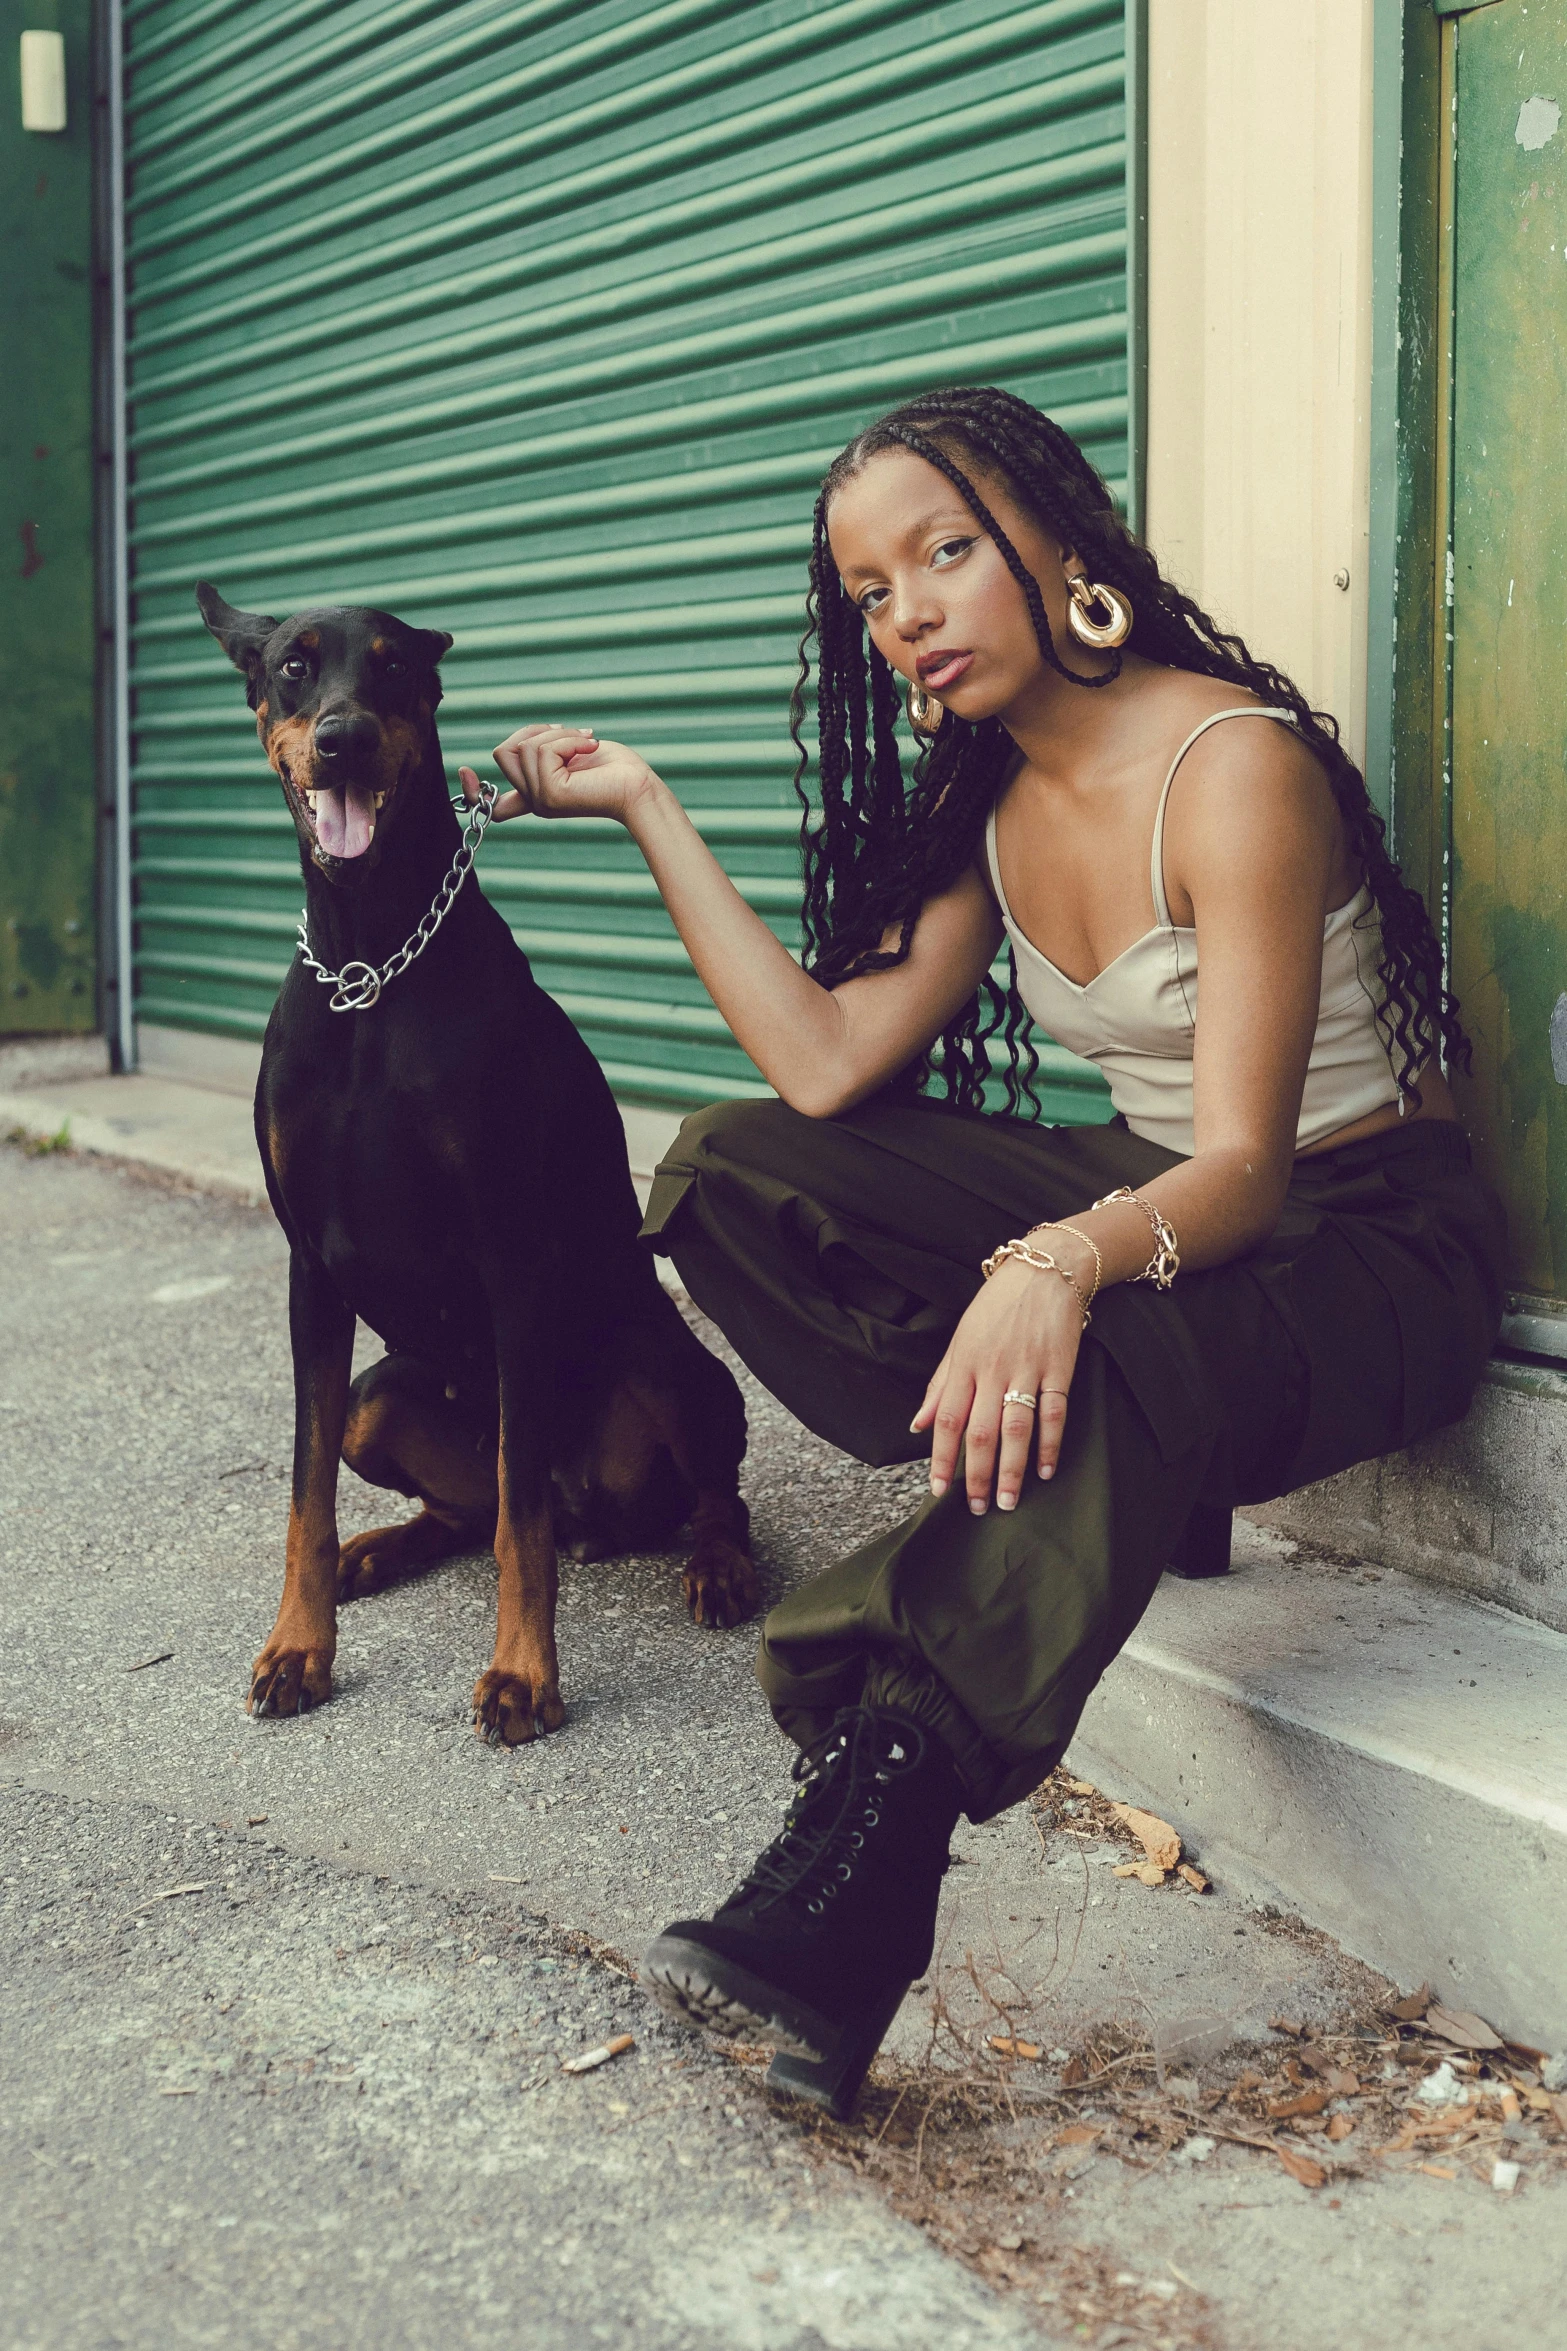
column 450, row 1167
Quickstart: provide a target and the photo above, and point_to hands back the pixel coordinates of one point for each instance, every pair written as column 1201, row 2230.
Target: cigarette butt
column 1511, row 2110
column 591, row 2059
column 1193, row 1876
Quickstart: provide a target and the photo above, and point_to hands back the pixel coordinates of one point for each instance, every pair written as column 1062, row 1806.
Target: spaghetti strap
column 994, row 863
column 1161, row 904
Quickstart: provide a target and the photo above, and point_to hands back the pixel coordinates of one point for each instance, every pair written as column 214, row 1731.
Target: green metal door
column 48, row 750
column 539, row 322
column 1508, row 597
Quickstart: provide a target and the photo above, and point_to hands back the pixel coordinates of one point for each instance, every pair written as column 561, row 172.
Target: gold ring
column 1021, row 1396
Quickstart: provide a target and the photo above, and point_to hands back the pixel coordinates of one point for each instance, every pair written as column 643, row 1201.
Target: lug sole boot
column 815, row 1949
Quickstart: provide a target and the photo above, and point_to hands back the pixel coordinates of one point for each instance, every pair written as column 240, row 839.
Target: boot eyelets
column 856, row 1840
column 816, row 1908
column 845, row 1872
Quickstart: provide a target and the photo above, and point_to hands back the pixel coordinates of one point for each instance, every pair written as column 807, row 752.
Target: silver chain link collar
column 358, row 985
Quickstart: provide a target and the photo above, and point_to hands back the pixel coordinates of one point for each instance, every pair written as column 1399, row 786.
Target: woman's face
column 937, row 596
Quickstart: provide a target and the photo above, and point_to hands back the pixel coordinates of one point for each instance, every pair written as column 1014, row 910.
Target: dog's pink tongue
column 345, row 821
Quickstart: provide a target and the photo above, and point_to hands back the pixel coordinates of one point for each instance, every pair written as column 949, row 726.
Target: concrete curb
column 1381, row 1755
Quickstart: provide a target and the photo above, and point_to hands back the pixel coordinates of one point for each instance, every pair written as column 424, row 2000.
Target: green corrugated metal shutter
column 539, row 322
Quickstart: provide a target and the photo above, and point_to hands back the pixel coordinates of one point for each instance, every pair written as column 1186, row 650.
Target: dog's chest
column 387, row 1194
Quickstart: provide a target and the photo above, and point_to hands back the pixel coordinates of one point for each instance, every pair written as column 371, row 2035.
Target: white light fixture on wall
column 43, row 81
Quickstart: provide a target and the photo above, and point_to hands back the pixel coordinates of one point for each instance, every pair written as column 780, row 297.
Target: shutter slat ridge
column 541, row 324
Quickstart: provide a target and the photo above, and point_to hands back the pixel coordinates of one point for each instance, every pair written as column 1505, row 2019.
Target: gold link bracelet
column 1099, row 1263
column 1165, row 1262
column 1042, row 1262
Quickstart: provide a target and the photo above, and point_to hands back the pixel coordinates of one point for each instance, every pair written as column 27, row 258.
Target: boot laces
column 815, row 1853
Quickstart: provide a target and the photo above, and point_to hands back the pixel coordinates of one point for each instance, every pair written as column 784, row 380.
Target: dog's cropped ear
column 433, row 643
column 242, row 635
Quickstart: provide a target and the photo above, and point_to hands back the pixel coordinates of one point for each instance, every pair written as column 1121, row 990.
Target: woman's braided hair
column 875, row 848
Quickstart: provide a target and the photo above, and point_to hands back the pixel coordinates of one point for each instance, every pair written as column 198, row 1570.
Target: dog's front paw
column 511, row 1708
column 720, row 1584
column 289, row 1680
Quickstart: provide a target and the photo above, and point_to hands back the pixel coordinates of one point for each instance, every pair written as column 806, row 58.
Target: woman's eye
column 949, row 551
column 873, row 600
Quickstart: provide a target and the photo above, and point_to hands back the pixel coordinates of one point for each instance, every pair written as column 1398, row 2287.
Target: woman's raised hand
column 565, row 771
column 1020, row 1332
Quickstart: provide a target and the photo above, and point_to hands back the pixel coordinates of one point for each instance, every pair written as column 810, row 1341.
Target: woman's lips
column 939, row 671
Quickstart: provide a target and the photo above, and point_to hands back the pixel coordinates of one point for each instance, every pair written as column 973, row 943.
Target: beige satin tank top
column 1137, row 1018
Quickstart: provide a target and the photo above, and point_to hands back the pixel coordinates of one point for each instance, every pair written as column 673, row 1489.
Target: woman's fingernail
column 1049, row 1471
column 914, row 1428
column 1006, row 1502
column 976, row 1506
column 938, row 1487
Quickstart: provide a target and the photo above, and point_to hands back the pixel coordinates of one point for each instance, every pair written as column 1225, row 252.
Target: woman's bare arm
column 822, row 1049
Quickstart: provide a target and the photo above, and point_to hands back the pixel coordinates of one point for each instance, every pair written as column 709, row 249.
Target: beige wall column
column 1259, row 326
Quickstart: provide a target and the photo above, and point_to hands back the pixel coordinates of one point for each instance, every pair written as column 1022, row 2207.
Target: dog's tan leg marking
column 719, row 1581
column 389, row 1555
column 518, row 1697
column 294, row 1670
column 455, row 1484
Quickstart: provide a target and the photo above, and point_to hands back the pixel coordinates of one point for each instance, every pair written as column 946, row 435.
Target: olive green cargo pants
column 837, row 1255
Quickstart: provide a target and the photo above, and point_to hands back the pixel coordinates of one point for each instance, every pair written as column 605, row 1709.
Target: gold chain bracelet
column 1165, row 1262
column 1054, row 1226
column 1042, row 1262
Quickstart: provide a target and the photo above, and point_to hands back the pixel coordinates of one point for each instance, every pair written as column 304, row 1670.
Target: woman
column 1276, row 1260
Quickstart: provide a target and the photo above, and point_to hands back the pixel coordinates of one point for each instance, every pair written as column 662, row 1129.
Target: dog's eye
column 393, row 668
column 296, row 667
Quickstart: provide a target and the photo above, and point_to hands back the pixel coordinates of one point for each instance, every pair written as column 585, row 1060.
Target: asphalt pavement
column 285, row 2005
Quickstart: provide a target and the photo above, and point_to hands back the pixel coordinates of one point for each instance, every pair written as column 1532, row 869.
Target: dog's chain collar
column 357, row 986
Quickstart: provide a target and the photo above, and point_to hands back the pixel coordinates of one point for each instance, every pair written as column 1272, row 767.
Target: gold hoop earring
column 1103, row 635
column 925, row 712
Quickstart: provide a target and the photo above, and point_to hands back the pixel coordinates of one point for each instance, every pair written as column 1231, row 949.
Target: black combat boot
column 815, row 1948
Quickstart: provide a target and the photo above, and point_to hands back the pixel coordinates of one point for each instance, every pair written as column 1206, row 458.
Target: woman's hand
column 565, row 771
column 1021, row 1331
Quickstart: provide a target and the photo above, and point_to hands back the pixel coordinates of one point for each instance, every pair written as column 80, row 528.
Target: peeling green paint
column 47, row 649
column 1509, row 612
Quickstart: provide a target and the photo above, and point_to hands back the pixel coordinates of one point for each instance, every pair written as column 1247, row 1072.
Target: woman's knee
column 757, row 1135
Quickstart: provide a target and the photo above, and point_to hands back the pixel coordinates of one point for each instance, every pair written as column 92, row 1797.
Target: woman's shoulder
column 1252, row 792
column 1224, row 735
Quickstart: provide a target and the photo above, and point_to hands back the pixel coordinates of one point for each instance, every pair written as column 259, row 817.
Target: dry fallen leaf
column 1407, row 2011
column 592, row 2058
column 1147, row 1873
column 1076, row 2134
column 1158, row 1840
column 1082, row 1787
column 1285, row 2024
column 1559, row 2102
column 1462, row 2029
column 1309, row 2102
column 1194, row 1877
column 1005, row 2047
column 1073, row 2072
column 1301, row 2167
column 1340, row 2127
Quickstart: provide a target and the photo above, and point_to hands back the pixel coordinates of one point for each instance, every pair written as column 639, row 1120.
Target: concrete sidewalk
column 318, row 2094
column 1387, row 1758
